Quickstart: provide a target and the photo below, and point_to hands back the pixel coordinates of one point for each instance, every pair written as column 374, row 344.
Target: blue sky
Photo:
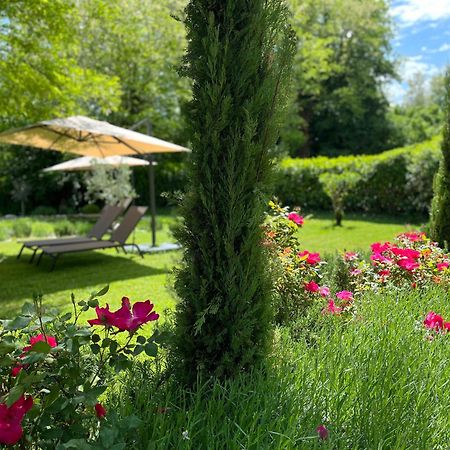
column 421, row 42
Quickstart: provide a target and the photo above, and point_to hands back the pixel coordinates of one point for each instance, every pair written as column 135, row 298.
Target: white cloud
column 410, row 66
column 410, row 12
column 396, row 91
column 444, row 48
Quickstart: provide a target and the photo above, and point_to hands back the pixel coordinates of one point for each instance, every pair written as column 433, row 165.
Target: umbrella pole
column 151, row 185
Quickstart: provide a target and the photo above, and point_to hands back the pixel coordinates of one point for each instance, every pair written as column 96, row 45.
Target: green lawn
column 319, row 233
column 150, row 277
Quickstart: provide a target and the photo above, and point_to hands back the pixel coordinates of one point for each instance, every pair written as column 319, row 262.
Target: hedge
column 395, row 181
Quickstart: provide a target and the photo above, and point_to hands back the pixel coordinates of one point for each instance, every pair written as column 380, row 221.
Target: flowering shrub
column 296, row 270
column 298, row 273
column 54, row 369
column 411, row 261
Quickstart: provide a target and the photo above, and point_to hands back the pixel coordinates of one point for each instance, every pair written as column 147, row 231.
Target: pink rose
column 296, row 218
column 311, row 286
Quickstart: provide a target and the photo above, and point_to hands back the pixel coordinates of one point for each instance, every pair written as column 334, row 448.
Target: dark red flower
column 40, row 338
column 312, row 286
column 100, row 410
column 11, row 420
column 33, row 341
column 322, row 431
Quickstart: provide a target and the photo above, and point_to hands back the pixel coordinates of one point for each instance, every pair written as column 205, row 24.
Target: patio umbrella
column 90, row 162
column 88, row 137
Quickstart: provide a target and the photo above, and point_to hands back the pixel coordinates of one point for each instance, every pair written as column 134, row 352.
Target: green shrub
column 440, row 212
column 398, row 180
column 65, row 228
column 43, row 211
column 21, row 228
column 91, row 208
column 42, row 229
column 4, row 233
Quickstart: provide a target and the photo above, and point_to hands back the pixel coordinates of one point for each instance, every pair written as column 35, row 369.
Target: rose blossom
column 11, row 420
column 296, row 218
column 322, row 431
column 311, row 286
column 126, row 318
column 310, row 258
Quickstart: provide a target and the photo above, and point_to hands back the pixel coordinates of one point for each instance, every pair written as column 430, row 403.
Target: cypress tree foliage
column 440, row 207
column 239, row 58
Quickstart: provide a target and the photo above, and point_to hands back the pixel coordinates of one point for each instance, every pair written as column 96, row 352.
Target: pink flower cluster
column 296, row 218
column 435, row 322
column 126, row 318
column 345, row 298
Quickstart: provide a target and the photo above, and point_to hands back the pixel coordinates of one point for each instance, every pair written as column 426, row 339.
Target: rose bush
column 55, row 367
column 410, row 261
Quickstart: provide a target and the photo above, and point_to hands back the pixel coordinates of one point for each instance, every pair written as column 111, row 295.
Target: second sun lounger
column 107, row 217
column 117, row 240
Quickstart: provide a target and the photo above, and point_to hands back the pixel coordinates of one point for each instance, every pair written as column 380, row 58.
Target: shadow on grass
column 72, row 272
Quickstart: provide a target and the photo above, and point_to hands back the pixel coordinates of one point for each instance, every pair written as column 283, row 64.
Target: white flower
column 185, row 435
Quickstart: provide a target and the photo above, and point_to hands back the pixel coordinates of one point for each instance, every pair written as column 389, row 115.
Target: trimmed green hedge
column 399, row 180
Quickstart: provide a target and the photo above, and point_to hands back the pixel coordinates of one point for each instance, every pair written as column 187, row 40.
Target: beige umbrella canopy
column 89, row 162
column 88, row 137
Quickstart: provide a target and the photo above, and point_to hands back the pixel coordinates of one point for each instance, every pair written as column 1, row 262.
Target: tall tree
column 40, row 74
column 239, row 58
column 142, row 45
column 341, row 63
column 440, row 208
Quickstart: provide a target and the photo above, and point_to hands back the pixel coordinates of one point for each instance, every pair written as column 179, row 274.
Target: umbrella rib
column 60, row 136
column 120, row 141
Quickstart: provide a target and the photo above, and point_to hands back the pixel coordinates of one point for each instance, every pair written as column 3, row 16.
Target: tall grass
column 376, row 381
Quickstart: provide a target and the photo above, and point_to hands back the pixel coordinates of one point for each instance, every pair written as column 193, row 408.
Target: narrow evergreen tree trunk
column 440, row 208
column 239, row 58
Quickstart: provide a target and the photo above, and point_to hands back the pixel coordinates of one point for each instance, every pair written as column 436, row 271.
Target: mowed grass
column 378, row 380
column 129, row 275
column 84, row 273
column 319, row 233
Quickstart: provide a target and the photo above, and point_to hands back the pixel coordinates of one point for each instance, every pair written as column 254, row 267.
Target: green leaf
column 108, row 436
column 95, row 349
column 82, row 332
column 102, row 291
column 95, row 338
column 138, row 350
column 14, row 394
column 19, row 323
column 141, row 339
column 41, row 347
column 6, row 347
column 76, row 444
column 151, row 349
column 66, row 317
column 28, row 309
column 93, row 303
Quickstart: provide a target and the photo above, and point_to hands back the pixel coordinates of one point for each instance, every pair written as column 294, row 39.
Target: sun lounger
column 117, row 240
column 107, row 217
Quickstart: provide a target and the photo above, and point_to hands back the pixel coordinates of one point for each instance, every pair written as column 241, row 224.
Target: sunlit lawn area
column 149, row 277
column 357, row 232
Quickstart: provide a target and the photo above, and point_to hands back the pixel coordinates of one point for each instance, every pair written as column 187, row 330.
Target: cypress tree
column 440, row 207
column 239, row 57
